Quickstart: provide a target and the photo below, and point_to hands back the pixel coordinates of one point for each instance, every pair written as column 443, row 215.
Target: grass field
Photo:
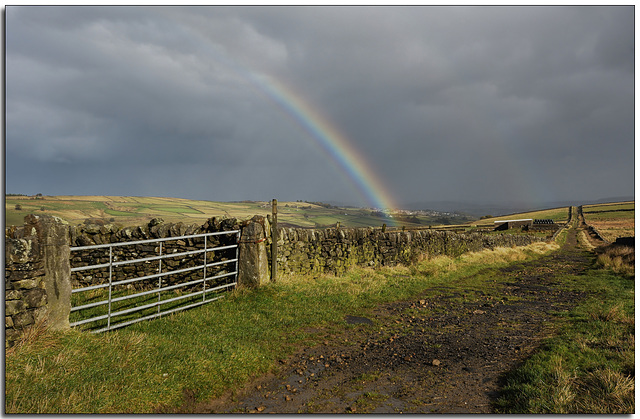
column 132, row 211
column 558, row 215
column 611, row 220
column 127, row 211
column 147, row 366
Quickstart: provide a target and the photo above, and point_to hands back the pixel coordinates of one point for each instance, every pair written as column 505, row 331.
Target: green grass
column 606, row 216
column 185, row 296
column 220, row 346
column 204, row 351
column 588, row 367
column 118, row 213
column 559, row 215
column 615, row 206
column 134, row 211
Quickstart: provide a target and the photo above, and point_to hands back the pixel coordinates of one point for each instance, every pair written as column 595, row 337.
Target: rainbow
column 326, row 135
column 330, row 139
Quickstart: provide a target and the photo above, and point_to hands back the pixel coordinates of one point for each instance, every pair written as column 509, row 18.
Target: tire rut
column 443, row 352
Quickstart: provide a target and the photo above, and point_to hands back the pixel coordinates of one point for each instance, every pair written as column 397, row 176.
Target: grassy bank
column 203, row 352
column 588, row 367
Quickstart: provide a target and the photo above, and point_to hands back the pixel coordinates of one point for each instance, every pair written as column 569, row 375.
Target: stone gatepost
column 53, row 236
column 253, row 266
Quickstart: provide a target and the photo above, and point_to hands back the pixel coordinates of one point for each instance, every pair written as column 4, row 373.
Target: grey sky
column 444, row 103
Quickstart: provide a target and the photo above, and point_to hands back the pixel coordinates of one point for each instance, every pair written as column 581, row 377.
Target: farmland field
column 133, row 211
column 558, row 215
column 611, row 220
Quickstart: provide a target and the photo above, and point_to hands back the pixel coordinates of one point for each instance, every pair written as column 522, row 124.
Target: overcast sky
column 463, row 103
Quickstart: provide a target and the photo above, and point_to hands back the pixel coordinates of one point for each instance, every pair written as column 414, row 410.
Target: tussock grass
column 620, row 259
column 613, row 313
column 588, row 367
column 583, row 241
column 32, row 335
column 509, row 254
column 150, row 366
column 203, row 352
column 606, row 391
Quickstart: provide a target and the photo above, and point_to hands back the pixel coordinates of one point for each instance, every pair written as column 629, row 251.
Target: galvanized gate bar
column 112, row 283
column 151, row 305
column 150, row 258
column 153, row 291
column 153, row 316
column 118, row 244
column 152, row 276
column 160, row 271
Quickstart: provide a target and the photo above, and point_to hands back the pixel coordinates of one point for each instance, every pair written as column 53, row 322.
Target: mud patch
column 357, row 320
column 442, row 354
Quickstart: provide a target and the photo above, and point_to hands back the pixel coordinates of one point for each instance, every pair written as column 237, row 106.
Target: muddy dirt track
column 443, row 354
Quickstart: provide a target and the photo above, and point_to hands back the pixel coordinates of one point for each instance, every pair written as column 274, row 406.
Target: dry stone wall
column 37, row 286
column 25, row 295
column 38, row 260
column 305, row 251
column 87, row 235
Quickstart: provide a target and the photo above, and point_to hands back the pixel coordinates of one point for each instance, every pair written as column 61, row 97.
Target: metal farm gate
column 120, row 289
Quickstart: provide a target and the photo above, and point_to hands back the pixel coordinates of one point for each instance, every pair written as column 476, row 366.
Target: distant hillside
column 480, row 209
column 132, row 211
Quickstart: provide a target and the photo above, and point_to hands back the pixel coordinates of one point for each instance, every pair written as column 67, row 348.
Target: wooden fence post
column 274, row 239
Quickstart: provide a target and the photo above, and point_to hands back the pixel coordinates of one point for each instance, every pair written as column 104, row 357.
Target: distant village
column 379, row 212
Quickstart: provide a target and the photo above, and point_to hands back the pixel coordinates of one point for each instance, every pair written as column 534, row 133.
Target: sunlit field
column 133, row 211
column 611, row 220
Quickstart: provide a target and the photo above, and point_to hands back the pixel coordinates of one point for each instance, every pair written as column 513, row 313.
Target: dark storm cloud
column 444, row 102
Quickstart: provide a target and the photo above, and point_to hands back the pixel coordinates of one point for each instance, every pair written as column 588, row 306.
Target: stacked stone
column 91, row 234
column 25, row 295
column 37, row 256
column 310, row 251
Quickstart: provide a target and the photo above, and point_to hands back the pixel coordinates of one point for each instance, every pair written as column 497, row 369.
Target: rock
column 13, row 307
column 35, row 298
column 92, row 228
column 13, row 295
column 155, row 221
column 18, row 250
column 22, row 320
column 435, row 362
